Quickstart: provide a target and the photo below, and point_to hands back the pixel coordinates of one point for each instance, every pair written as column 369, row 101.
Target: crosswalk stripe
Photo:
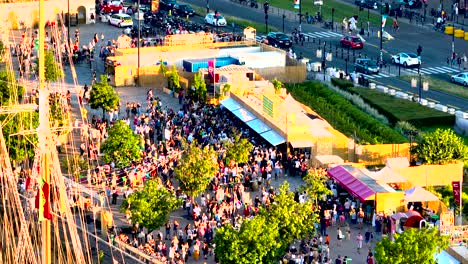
column 449, row 69
column 384, row 75
column 438, row 70
column 426, row 71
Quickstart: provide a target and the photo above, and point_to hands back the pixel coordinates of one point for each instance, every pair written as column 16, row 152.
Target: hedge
column 342, row 83
column 396, row 109
column 343, row 115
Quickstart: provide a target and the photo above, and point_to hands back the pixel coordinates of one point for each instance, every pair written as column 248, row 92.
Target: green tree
column 10, row 91
column 53, row 71
column 441, row 146
column 20, row 147
column 122, row 146
column 173, row 80
column 412, row 246
column 277, row 84
column 238, row 149
column 162, row 67
column 196, row 168
column 103, row 96
column 315, row 186
column 264, row 239
column 200, row 86
column 151, row 206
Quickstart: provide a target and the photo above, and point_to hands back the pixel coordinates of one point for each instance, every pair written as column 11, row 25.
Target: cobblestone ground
column 138, row 94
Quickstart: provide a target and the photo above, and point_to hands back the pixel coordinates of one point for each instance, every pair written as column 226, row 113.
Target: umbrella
column 399, row 215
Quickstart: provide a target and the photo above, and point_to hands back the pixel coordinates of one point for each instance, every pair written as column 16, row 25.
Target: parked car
column 217, row 21
column 352, row 42
column 366, row 66
column 407, row 59
column 121, row 20
column 184, row 10
column 278, row 40
column 371, row 4
column 112, row 8
column 460, row 78
column 167, row 4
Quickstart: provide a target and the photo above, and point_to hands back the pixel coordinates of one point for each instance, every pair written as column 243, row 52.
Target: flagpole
column 44, row 139
column 214, row 78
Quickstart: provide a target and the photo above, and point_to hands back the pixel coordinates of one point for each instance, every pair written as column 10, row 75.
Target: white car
column 461, row 78
column 121, row 20
column 406, row 59
column 213, row 20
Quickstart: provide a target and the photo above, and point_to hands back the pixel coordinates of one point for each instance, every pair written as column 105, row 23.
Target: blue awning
column 273, row 138
column 253, row 122
column 244, row 115
column 231, row 104
column 258, row 126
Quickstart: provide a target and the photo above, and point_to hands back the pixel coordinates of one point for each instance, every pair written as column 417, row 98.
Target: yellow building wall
column 433, row 175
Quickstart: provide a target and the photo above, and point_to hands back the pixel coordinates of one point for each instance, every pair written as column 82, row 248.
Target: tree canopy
column 412, row 246
column 264, row 239
column 196, row 168
column 103, row 96
column 122, row 146
column 315, row 186
column 200, row 86
column 151, row 206
column 440, row 147
column 173, row 80
column 53, row 71
column 238, row 149
column 19, row 147
column 10, row 91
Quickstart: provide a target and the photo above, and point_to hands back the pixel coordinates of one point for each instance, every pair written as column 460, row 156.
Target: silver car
column 460, row 78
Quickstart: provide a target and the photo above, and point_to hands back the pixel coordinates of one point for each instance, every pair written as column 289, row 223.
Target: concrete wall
column 28, row 12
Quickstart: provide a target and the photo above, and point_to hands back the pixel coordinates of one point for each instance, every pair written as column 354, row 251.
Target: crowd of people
column 162, row 131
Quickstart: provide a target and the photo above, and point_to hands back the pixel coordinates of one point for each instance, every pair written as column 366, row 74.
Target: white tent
column 387, row 175
column 400, row 162
column 418, row 194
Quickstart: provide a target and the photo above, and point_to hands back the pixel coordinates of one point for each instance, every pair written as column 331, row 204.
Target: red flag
column 456, row 191
column 211, row 68
column 44, row 209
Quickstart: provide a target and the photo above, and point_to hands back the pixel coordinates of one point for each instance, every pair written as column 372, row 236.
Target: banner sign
column 456, row 191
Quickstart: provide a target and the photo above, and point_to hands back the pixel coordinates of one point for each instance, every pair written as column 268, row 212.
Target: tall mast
column 44, row 137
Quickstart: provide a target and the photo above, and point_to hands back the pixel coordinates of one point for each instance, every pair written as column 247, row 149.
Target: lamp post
column 284, row 16
column 300, row 15
column 421, row 86
column 368, row 22
column 412, row 134
column 266, row 7
column 68, row 21
column 381, row 31
column 139, row 43
column 333, row 14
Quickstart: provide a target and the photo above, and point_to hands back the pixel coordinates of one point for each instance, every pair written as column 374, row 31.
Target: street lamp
column 68, row 22
column 284, row 16
column 333, row 14
column 381, row 31
column 139, row 32
column 266, row 6
column 421, row 86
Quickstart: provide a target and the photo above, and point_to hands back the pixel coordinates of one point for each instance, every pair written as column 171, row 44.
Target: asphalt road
column 436, row 47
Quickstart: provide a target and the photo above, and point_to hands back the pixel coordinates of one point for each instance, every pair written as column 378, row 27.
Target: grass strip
column 396, row 109
column 342, row 10
column 441, row 85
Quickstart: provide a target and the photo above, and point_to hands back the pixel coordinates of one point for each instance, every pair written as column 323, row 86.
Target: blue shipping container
column 196, row 64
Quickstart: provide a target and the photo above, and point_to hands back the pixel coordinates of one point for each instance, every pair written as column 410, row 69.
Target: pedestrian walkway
column 434, row 70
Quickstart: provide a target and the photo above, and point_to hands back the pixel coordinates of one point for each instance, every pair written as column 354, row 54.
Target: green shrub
column 342, row 83
column 396, row 109
column 343, row 115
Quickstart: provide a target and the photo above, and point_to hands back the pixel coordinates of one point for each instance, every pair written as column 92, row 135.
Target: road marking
column 433, row 100
column 452, row 106
column 393, row 87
